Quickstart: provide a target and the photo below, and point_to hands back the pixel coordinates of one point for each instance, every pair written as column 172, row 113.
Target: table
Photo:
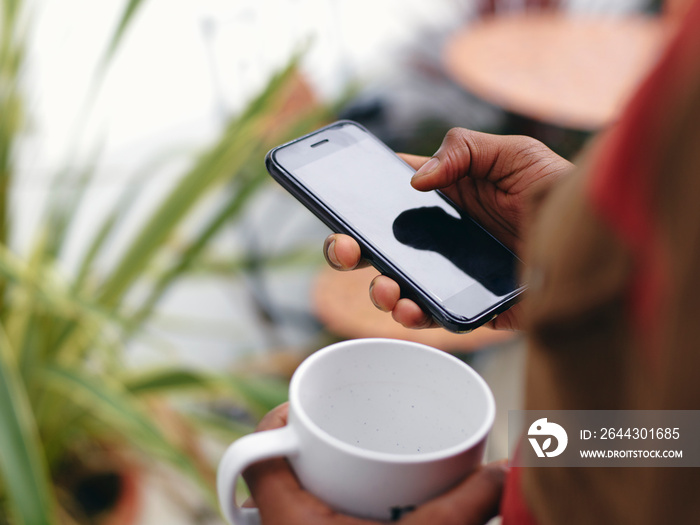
column 341, row 302
column 572, row 72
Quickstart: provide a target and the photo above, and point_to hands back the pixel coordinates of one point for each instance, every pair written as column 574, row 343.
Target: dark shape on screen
column 462, row 242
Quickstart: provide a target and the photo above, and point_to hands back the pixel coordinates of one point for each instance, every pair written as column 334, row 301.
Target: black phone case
column 409, row 289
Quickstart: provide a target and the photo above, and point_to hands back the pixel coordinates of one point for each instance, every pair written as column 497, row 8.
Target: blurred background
column 157, row 288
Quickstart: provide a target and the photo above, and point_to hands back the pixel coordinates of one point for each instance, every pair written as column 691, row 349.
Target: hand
column 282, row 501
column 493, row 178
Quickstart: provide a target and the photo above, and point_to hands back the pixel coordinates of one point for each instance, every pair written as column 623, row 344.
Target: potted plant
column 66, row 395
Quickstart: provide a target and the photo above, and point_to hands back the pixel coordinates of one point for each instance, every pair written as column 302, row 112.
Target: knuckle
column 456, row 134
column 493, row 477
column 276, row 418
column 530, row 146
column 456, row 150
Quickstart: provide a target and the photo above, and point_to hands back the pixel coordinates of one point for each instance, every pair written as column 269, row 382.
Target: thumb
column 466, row 153
column 451, row 162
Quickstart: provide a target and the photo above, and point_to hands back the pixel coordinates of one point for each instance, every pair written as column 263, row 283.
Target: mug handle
column 240, row 455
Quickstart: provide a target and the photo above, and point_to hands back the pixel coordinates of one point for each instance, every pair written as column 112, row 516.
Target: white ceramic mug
column 376, row 427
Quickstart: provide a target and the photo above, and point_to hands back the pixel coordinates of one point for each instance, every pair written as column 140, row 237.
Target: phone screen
column 436, row 246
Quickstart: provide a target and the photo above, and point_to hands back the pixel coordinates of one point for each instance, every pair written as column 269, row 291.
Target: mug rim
column 480, row 434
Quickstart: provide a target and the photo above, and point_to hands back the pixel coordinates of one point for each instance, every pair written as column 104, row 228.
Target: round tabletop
column 341, row 302
column 574, row 72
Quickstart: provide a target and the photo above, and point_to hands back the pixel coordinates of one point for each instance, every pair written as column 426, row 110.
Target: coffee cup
column 376, row 427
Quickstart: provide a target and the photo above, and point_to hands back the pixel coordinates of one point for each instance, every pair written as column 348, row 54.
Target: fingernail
column 427, row 168
column 425, row 324
column 371, row 297
column 330, row 253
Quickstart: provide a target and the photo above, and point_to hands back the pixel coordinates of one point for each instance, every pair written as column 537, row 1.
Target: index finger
column 415, row 161
column 275, row 418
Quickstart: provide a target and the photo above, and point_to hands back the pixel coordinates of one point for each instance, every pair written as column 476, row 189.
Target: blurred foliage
column 63, row 382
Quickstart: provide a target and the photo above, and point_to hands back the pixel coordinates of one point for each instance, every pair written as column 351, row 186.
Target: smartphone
column 439, row 256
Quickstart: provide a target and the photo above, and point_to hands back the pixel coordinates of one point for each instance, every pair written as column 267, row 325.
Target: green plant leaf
column 50, row 291
column 59, row 376
column 261, row 394
column 213, row 168
column 22, row 463
column 11, row 109
column 257, row 393
column 195, row 248
column 239, row 144
column 123, row 413
column 117, row 215
column 67, row 191
column 125, row 20
column 170, row 381
column 303, row 256
column 226, row 428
